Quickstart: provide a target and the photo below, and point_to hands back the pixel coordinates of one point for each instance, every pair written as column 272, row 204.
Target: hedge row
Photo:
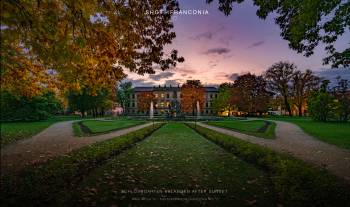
column 40, row 185
column 297, row 183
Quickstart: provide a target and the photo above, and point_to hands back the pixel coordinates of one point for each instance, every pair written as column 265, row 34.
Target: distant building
column 168, row 100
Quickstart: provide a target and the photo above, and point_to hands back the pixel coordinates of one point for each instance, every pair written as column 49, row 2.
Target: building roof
column 168, row 88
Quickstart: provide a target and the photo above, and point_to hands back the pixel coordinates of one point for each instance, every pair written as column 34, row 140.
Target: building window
column 133, row 95
column 216, row 95
column 211, row 95
column 206, row 104
column 162, row 95
column 175, row 95
column 133, row 104
column 156, row 95
column 167, row 95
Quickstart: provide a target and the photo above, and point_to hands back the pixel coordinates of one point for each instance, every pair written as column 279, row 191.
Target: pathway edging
column 293, row 140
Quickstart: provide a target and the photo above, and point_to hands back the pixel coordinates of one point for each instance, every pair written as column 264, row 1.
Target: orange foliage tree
column 192, row 91
column 144, row 100
column 82, row 44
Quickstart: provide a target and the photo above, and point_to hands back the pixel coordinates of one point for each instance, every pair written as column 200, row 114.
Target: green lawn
column 100, row 126
column 176, row 158
column 336, row 133
column 257, row 128
column 14, row 131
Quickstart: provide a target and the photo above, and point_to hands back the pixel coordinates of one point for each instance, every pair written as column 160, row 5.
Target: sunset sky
column 217, row 48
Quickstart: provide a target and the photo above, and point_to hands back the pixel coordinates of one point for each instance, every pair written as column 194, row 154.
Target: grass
column 337, row 133
column 297, row 183
column 175, row 158
column 14, row 131
column 55, row 180
column 102, row 126
column 257, row 128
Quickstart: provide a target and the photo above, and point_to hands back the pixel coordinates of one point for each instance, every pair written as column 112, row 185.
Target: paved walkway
column 292, row 140
column 56, row 140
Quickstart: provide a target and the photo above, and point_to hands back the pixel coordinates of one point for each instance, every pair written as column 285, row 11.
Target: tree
column 303, row 84
column 76, row 44
column 279, row 76
column 306, row 23
column 192, row 92
column 144, row 100
column 22, row 108
column 123, row 94
column 252, row 93
column 321, row 103
column 85, row 101
column 227, row 98
column 341, row 93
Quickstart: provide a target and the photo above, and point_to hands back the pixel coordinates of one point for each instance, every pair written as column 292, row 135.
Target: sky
column 218, row 48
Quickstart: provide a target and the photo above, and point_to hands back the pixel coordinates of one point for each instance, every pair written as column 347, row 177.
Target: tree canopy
column 76, row 43
column 306, row 23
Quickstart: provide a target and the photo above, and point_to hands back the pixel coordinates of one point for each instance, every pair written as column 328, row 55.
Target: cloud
column 257, row 44
column 225, row 40
column 217, row 50
column 139, row 82
column 233, row 76
column 173, row 82
column 160, row 76
column 207, row 35
column 332, row 74
column 185, row 69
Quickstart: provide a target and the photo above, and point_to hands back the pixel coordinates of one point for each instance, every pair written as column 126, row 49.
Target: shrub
column 40, row 184
column 299, row 183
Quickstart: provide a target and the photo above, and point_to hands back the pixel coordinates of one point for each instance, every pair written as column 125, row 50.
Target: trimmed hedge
column 39, row 185
column 298, row 183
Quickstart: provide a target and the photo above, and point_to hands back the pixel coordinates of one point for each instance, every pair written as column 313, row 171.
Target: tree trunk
column 287, row 105
column 300, row 110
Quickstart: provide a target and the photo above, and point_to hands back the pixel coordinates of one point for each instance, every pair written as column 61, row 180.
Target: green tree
column 225, row 100
column 22, row 108
column 306, row 23
column 123, row 94
column 341, row 93
column 321, row 103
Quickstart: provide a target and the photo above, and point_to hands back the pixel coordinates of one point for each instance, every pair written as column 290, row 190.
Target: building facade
column 168, row 100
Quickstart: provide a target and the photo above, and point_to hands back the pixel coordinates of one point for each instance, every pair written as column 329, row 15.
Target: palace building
column 168, row 100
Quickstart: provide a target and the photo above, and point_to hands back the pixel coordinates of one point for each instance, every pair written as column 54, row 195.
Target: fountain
column 151, row 110
column 198, row 110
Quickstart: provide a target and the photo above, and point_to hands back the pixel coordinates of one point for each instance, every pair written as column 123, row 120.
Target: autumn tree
column 279, row 77
column 144, row 100
column 192, row 92
column 303, row 84
column 306, row 23
column 77, row 44
column 252, row 95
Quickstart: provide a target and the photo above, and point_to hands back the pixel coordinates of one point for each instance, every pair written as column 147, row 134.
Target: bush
column 298, row 183
column 41, row 184
column 15, row 108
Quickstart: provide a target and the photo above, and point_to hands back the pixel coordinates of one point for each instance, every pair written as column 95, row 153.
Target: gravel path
column 56, row 140
column 292, row 140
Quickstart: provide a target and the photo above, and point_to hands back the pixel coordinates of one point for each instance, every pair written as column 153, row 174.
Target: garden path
column 56, row 140
column 292, row 140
